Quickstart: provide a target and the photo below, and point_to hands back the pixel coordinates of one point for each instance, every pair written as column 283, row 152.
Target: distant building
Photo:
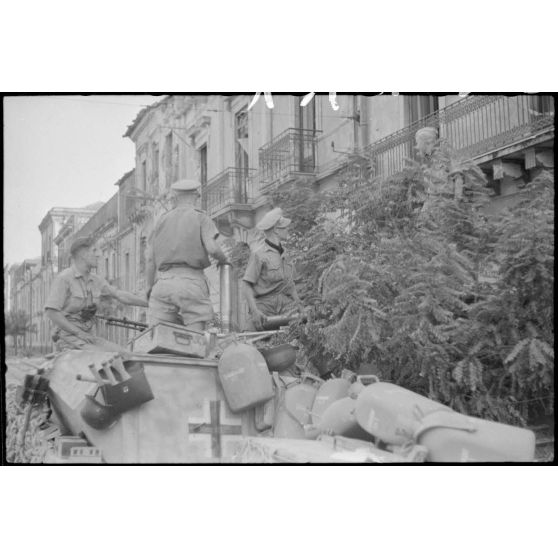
column 24, row 295
column 29, row 282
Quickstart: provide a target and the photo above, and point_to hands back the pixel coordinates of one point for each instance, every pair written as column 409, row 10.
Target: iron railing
column 291, row 153
column 473, row 126
column 232, row 186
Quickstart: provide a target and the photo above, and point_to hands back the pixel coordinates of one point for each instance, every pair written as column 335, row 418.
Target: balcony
column 287, row 156
column 106, row 217
column 228, row 196
column 476, row 127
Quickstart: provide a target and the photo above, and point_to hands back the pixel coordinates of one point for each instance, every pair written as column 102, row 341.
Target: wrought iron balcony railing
column 232, row 186
column 291, row 153
column 474, row 126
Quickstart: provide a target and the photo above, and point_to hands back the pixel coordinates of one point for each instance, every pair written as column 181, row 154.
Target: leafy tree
column 390, row 269
column 17, row 324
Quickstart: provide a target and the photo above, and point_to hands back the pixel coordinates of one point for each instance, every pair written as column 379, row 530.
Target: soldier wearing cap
column 74, row 297
column 178, row 252
column 268, row 283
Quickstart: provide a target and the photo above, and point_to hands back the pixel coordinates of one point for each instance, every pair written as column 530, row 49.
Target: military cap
column 272, row 219
column 185, row 185
column 81, row 242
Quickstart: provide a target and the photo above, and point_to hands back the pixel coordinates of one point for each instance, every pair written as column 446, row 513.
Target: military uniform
column 75, row 296
column 270, row 271
column 181, row 292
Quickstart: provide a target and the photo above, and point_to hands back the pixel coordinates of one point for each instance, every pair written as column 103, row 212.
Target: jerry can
column 293, row 410
column 451, row 437
column 330, row 391
column 339, row 419
column 264, row 414
column 392, row 413
column 244, row 376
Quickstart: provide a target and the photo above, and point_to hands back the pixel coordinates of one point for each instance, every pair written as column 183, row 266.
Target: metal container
column 244, row 376
column 330, row 391
column 392, row 413
column 451, row 437
column 339, row 419
column 293, row 410
column 173, row 339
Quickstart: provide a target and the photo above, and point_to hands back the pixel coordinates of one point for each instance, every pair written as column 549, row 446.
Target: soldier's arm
column 210, row 236
column 124, row 296
column 294, row 294
column 257, row 315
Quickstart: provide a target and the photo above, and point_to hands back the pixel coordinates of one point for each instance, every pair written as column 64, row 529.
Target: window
column 127, row 271
column 155, row 166
column 168, row 160
column 106, row 268
column 144, row 175
column 142, row 254
column 175, row 160
column 542, row 104
column 420, row 106
column 305, row 117
column 304, row 146
column 203, row 164
column 203, row 174
column 113, row 270
column 241, row 154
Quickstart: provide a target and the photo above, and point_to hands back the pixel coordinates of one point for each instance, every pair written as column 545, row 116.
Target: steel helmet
column 96, row 415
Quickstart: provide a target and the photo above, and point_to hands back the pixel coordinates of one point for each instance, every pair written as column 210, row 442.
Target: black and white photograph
column 279, row 278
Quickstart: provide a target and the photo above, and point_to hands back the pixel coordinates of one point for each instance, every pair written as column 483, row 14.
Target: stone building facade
column 241, row 155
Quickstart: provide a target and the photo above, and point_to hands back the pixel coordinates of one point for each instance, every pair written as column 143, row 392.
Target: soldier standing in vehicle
column 74, row 298
column 178, row 252
column 268, row 283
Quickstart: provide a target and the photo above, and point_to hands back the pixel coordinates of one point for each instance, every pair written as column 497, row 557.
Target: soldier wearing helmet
column 74, row 298
column 178, row 252
column 268, row 283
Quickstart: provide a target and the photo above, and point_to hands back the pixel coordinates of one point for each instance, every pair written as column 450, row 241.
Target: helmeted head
column 425, row 140
column 83, row 248
column 273, row 222
column 186, row 190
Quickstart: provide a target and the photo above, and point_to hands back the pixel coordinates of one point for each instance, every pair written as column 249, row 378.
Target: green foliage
column 390, row 270
column 17, row 323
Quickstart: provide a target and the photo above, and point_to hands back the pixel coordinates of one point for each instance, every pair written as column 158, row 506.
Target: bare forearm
column 131, row 299
column 215, row 251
